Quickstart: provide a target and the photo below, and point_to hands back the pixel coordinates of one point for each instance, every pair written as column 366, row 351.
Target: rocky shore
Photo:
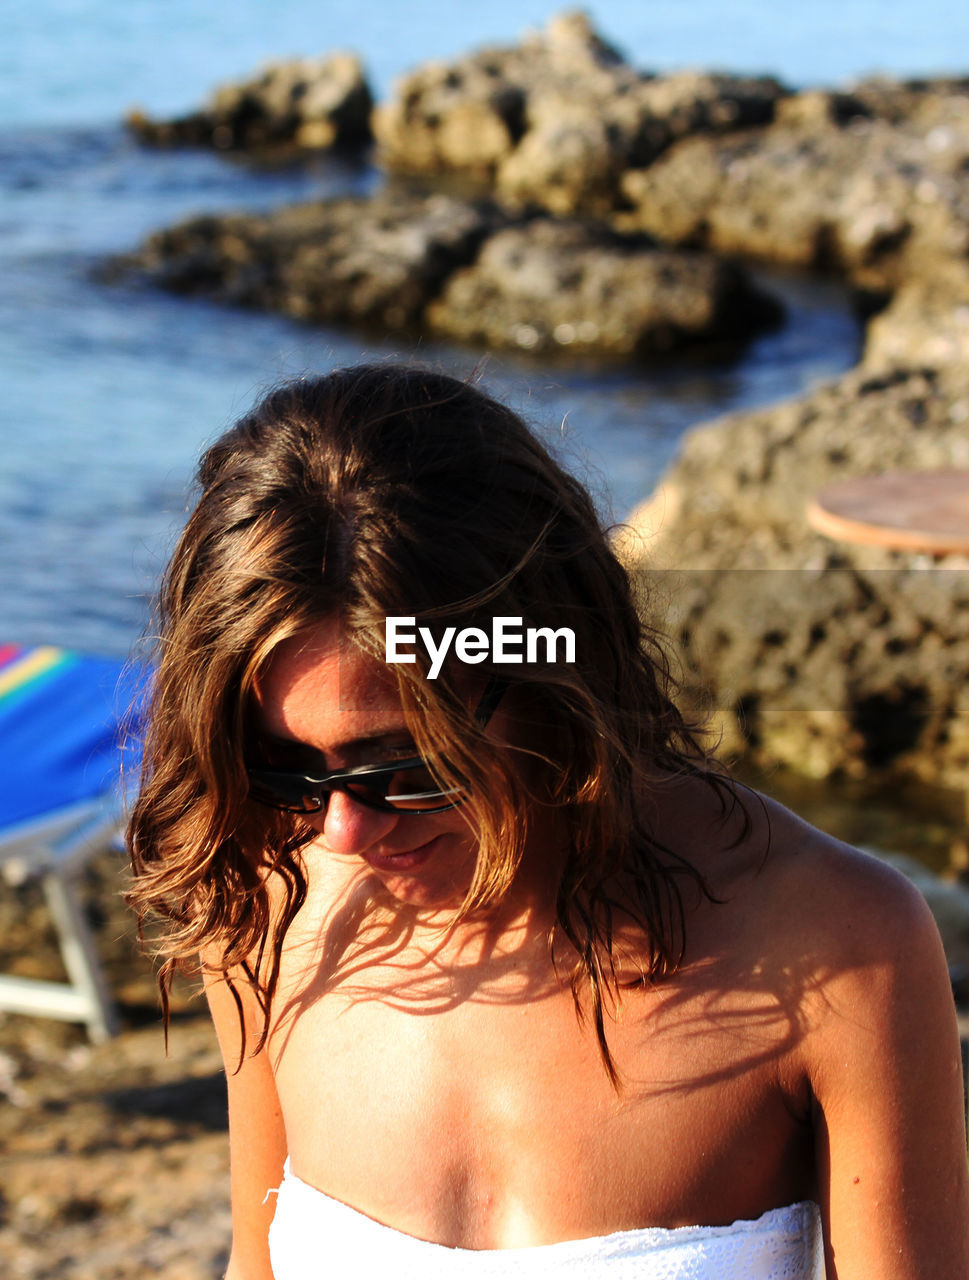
column 549, row 197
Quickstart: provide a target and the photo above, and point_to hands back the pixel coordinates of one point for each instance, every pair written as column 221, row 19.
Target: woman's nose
column 351, row 827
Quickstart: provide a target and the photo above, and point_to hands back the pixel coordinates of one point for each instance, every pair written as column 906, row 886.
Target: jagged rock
column 468, row 269
column 580, row 138
column 571, row 45
column 569, row 159
column 926, row 323
column 819, row 655
column 913, row 102
column 872, row 181
column 309, row 103
column 549, row 285
column 557, row 118
column 814, row 108
column 373, row 262
column 923, row 103
column 468, row 116
column 882, row 202
column 689, row 102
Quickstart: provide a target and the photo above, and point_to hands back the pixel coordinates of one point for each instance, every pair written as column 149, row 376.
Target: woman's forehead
column 319, row 679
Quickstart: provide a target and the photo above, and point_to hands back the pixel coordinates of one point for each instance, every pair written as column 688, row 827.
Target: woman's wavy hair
column 380, row 491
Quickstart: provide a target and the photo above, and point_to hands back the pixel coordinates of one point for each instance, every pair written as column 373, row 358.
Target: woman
column 508, row 978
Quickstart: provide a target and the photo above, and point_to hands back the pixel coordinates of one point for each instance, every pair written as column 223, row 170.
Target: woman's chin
column 422, row 891
column 426, row 876
column 416, row 891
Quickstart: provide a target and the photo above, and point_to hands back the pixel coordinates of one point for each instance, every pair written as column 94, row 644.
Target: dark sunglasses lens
column 286, row 791
column 406, row 790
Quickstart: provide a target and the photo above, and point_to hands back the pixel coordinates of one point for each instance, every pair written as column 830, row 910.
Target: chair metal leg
column 85, row 996
column 80, row 955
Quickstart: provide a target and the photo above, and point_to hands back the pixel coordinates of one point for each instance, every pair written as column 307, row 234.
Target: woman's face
column 323, row 706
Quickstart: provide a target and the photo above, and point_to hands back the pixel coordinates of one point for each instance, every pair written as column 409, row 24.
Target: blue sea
column 108, row 392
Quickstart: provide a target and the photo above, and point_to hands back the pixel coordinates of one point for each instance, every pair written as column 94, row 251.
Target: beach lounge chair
column 60, row 755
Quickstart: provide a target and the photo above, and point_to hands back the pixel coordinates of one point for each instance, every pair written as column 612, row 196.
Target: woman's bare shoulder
column 851, row 907
column 857, row 939
column 787, row 894
column 879, row 1050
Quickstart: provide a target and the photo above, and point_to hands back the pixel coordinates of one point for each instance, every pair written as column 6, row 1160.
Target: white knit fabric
column 314, row 1236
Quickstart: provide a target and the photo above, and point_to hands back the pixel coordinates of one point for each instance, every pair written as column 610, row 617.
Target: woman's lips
column 408, row 860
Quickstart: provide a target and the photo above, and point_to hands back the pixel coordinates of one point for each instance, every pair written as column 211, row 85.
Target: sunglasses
column 405, row 786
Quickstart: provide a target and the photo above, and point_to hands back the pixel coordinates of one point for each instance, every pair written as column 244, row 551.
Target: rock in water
column 880, row 199
column 371, row 262
column 556, row 119
column 466, row 269
column 546, row 285
column 307, row 103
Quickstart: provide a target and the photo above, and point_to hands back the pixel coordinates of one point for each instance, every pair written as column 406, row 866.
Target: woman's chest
column 494, row 1118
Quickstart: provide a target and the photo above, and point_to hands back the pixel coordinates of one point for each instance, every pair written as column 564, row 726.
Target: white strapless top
column 314, row 1236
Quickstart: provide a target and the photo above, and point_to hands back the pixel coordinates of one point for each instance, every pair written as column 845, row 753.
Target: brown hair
column 383, row 491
